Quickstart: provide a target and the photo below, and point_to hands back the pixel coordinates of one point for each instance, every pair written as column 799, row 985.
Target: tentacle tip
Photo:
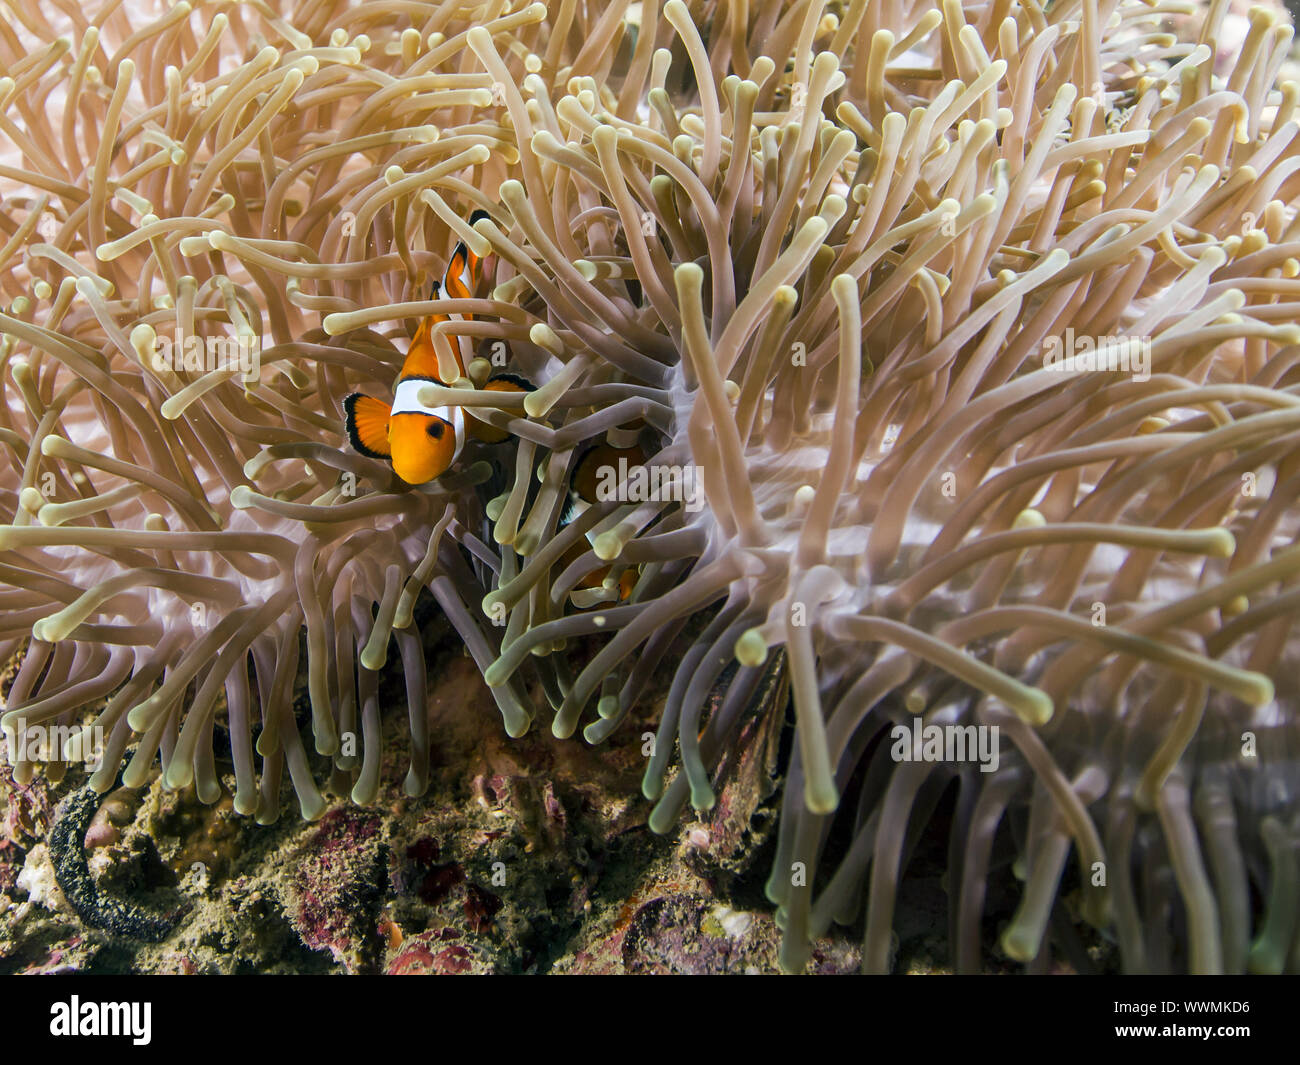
column 703, row 799
column 662, row 819
column 1018, row 944
column 311, row 806
column 1035, row 707
column 1259, row 689
column 517, row 727
column 1222, row 544
column 751, row 648
column 821, row 798
column 178, row 775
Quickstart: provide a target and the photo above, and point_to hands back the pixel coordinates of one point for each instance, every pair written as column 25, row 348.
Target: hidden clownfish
column 422, row 441
column 590, row 590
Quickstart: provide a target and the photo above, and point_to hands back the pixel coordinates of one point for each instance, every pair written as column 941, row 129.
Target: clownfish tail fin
column 366, row 421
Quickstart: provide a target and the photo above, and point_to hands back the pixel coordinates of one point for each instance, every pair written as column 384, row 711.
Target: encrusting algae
column 827, row 257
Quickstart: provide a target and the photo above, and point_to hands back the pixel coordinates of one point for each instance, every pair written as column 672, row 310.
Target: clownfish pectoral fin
column 366, row 421
column 502, row 382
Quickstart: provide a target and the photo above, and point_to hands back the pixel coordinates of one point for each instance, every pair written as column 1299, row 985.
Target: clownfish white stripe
column 406, row 400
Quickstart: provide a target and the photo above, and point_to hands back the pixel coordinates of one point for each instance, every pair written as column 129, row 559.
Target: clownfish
column 590, row 590
column 421, row 441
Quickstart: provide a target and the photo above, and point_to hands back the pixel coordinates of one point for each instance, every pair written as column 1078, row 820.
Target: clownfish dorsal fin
column 458, row 282
column 366, row 421
column 459, row 279
column 462, row 273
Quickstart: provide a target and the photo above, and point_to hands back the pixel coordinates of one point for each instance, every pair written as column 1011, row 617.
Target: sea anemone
column 824, row 254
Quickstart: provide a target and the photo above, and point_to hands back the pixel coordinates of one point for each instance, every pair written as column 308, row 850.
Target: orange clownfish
column 422, row 441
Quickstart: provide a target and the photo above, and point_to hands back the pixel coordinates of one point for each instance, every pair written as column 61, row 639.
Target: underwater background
column 457, row 839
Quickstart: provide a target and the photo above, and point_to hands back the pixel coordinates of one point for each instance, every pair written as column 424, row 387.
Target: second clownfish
column 423, row 441
column 590, row 591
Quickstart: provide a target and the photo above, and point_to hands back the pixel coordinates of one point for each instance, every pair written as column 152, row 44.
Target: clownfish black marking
column 422, row 441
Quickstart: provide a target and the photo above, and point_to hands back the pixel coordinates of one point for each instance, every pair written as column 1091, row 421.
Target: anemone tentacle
column 845, row 273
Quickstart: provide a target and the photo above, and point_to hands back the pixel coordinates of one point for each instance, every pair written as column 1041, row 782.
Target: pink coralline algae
column 427, row 955
column 336, row 887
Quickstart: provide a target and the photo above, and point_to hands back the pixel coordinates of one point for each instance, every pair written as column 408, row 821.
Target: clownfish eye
column 434, row 429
